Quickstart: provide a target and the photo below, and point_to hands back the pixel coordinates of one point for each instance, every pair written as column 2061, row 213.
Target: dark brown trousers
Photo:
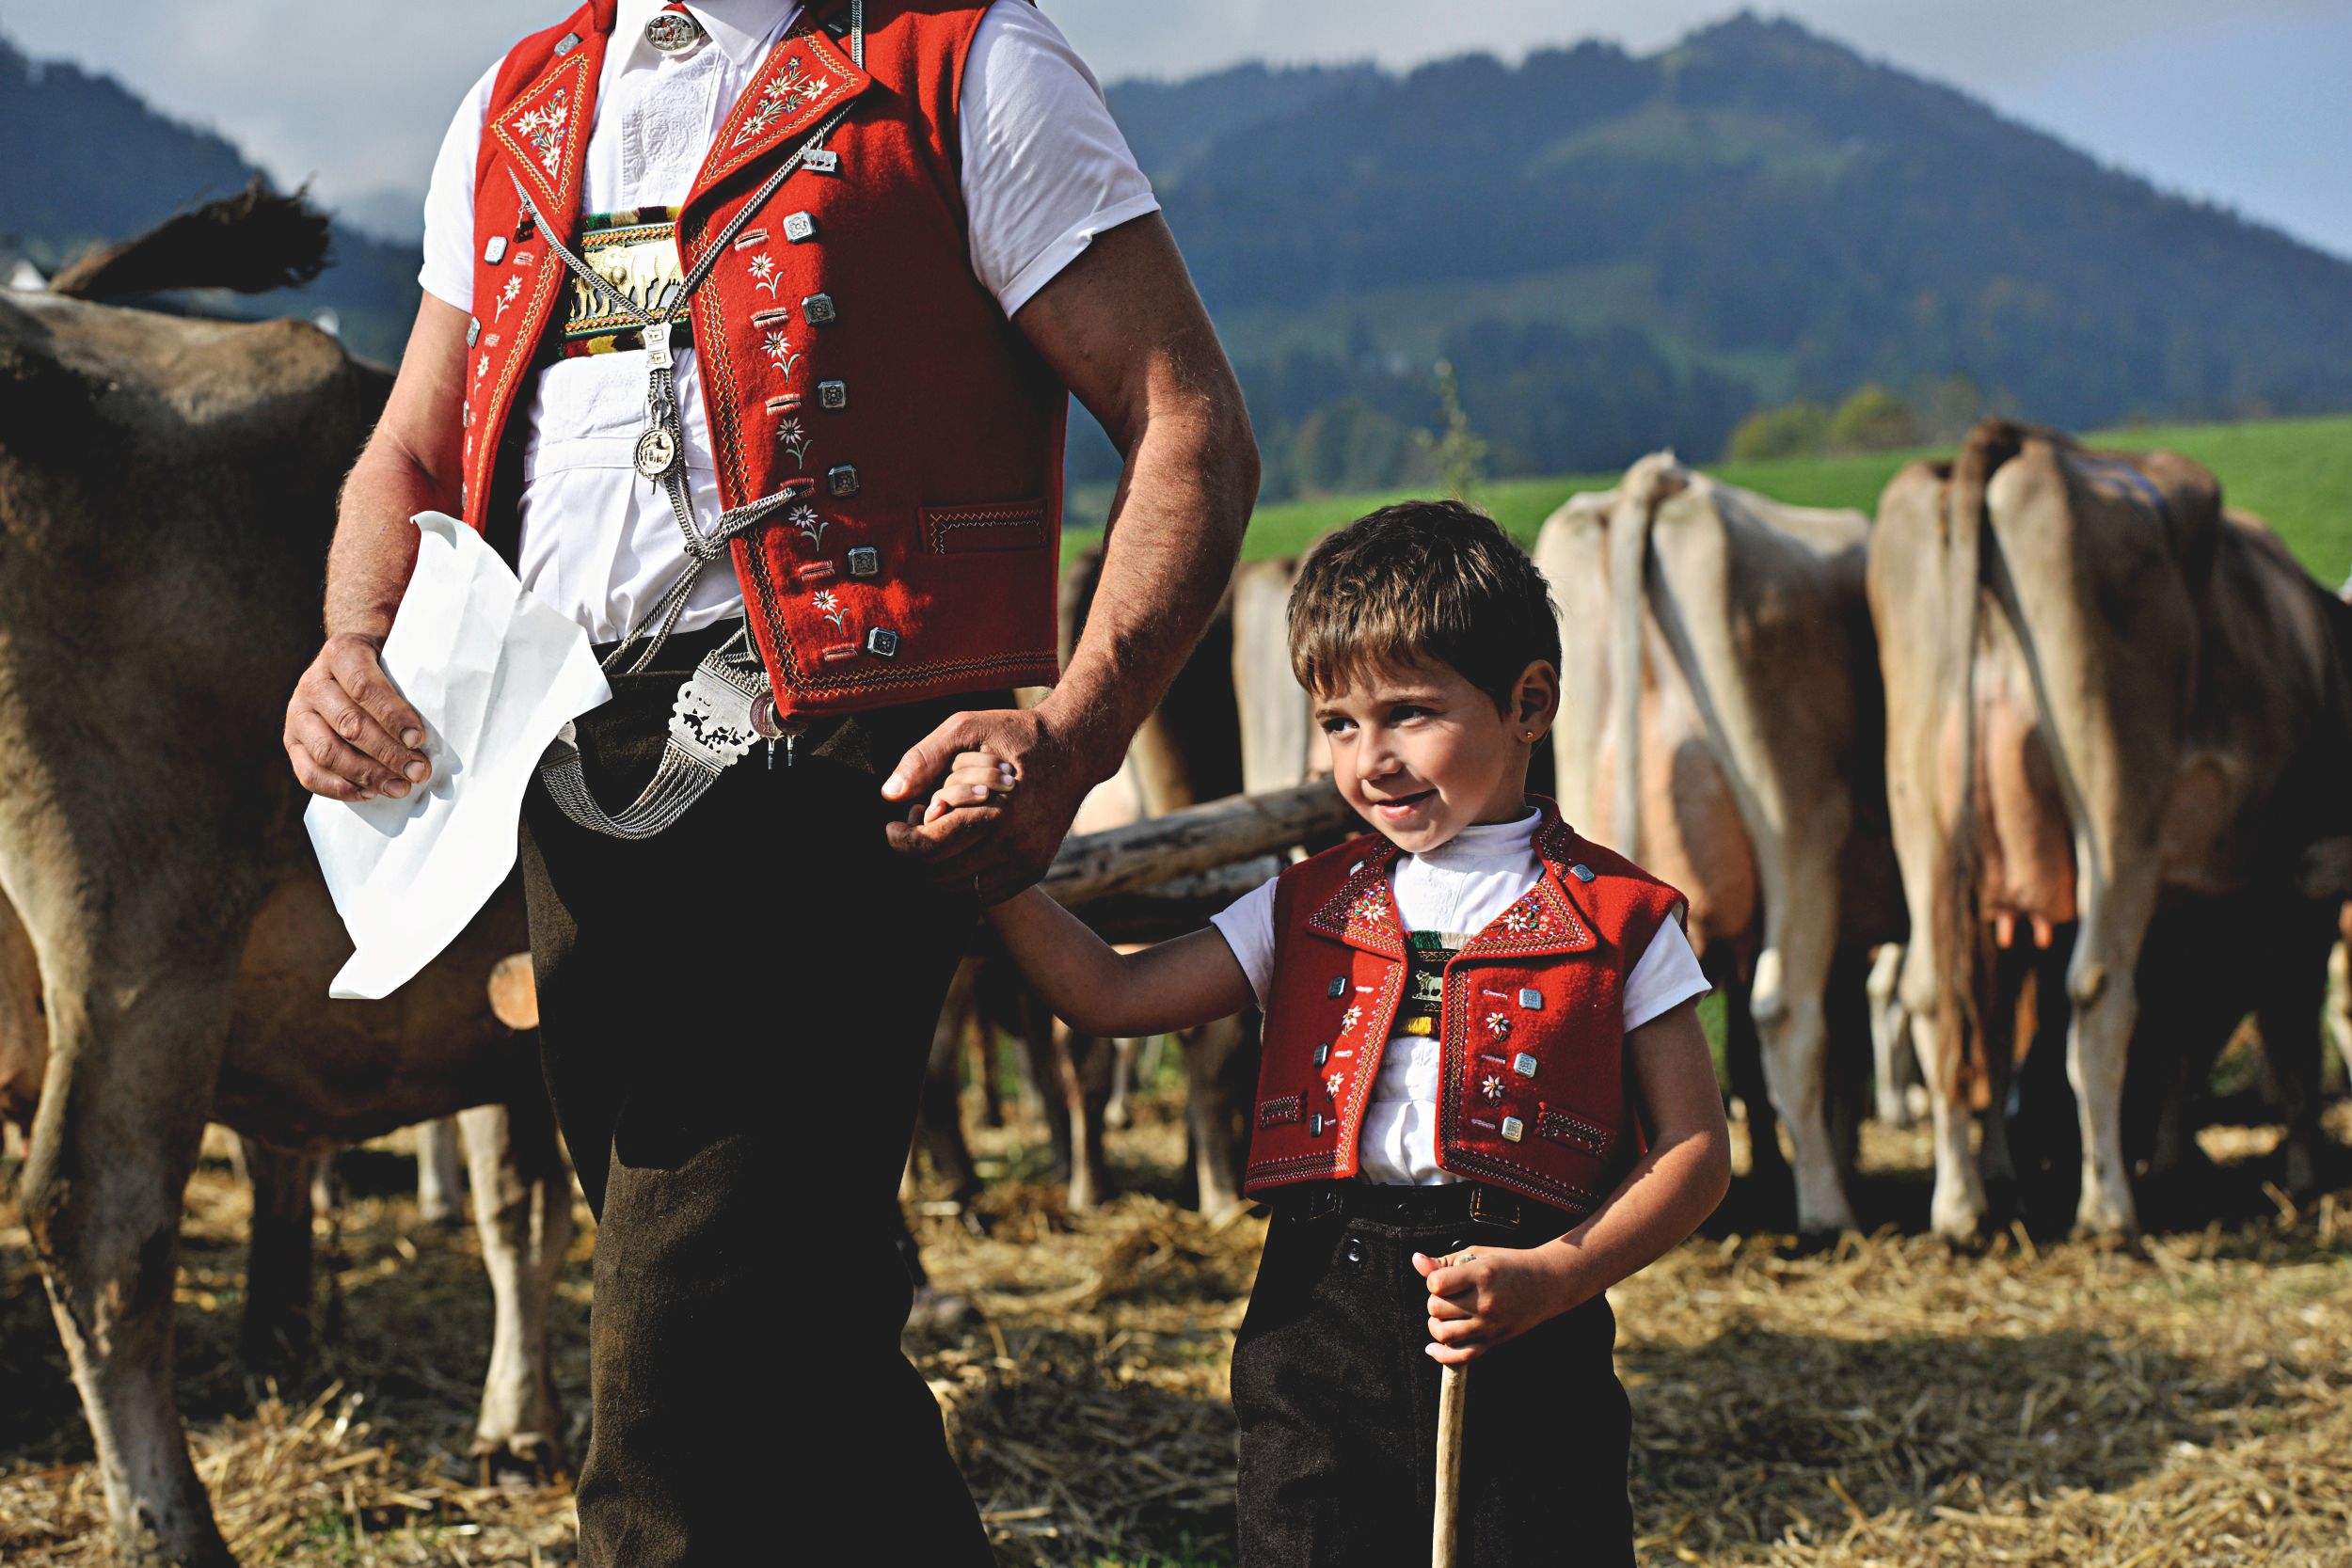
column 735, row 1016
column 1337, row 1401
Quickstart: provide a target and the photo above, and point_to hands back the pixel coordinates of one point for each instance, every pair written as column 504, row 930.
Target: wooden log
column 1178, row 906
column 1197, row 839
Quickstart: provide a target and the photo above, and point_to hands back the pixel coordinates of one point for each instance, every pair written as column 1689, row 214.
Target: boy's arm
column 1104, row 992
column 1501, row 1293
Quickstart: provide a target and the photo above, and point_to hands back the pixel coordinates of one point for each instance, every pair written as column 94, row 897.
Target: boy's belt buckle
column 1490, row 1205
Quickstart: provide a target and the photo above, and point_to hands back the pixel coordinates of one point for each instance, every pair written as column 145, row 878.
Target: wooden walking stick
column 1453, row 1393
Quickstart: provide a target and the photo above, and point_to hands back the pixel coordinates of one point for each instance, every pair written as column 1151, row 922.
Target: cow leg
column 441, row 1173
column 275, row 1336
column 2339, row 1013
column 2102, row 981
column 1208, row 1112
column 1892, row 1064
column 1790, row 982
column 2294, row 983
column 133, row 1058
column 1957, row 1208
column 1083, row 1068
column 939, row 1105
column 1117, row 1114
column 522, row 1204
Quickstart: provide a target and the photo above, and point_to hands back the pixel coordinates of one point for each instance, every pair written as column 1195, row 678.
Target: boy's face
column 1422, row 754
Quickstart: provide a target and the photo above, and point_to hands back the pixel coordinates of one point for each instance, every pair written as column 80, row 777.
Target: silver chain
column 711, row 724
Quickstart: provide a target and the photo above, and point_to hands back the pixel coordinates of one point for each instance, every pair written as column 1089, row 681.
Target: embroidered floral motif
column 1371, row 907
column 792, row 439
column 1349, row 1018
column 1491, row 1086
column 779, row 350
column 506, row 296
column 1499, row 1026
column 482, row 366
column 542, row 127
column 1333, row 1083
column 1523, row 919
column 808, row 525
column 785, row 95
column 828, row 604
column 763, row 270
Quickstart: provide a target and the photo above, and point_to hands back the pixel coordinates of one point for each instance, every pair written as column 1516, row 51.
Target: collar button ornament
column 674, row 31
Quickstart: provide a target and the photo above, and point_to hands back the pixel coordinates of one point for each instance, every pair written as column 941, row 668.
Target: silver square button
column 800, row 227
column 883, row 643
column 817, row 311
column 1338, row 987
column 841, row 481
column 494, row 251
column 1524, row 1065
column 865, row 562
column 832, row 394
column 1513, row 1129
column 1532, row 999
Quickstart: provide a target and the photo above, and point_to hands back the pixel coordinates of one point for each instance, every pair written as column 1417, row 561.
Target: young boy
column 1485, row 1096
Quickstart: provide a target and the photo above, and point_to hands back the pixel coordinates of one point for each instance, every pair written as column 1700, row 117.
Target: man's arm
column 349, row 735
column 1126, row 332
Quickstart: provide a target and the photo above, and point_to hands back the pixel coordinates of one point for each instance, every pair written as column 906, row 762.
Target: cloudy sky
column 2244, row 102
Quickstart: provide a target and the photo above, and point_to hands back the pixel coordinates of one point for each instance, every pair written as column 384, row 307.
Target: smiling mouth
column 1402, row 802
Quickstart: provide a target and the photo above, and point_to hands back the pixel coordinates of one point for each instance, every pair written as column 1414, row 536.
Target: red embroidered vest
column 846, row 352
column 1532, row 1094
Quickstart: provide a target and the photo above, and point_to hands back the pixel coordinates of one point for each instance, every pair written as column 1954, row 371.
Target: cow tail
column 1628, row 570
column 1962, row 942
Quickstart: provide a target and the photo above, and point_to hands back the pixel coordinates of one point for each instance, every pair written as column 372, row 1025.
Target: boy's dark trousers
column 735, row 1016
column 1337, row 1399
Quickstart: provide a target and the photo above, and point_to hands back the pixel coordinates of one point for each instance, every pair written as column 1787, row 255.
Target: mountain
column 88, row 162
column 1620, row 251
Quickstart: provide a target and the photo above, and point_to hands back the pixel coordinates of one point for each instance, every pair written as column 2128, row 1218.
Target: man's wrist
column 1091, row 733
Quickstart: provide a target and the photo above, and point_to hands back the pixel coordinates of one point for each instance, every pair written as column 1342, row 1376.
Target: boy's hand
column 973, row 779
column 1482, row 1295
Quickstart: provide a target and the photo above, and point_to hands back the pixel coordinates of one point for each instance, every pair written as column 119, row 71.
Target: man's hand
column 1001, row 845
column 1482, row 1295
column 349, row 733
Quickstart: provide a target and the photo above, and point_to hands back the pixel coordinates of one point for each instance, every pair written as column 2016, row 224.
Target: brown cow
column 167, row 491
column 1720, row 722
column 2103, row 695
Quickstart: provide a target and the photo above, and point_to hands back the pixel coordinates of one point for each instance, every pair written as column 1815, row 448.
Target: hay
column 1884, row 1401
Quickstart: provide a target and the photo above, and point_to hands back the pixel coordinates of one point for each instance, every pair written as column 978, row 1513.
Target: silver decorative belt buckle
column 712, row 716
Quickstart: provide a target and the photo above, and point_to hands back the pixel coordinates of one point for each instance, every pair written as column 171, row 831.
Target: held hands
column 1009, row 784
column 1482, row 1295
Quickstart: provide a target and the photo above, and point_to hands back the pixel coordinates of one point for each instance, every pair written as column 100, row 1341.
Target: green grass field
column 2295, row 473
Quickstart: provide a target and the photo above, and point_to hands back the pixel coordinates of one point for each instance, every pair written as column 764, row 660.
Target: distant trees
column 1873, row 418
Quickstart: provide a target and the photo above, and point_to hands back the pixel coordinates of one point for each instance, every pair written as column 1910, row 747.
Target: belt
column 1452, row 1203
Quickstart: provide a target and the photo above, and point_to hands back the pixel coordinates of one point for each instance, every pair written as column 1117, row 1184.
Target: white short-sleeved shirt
column 1045, row 171
column 1459, row 886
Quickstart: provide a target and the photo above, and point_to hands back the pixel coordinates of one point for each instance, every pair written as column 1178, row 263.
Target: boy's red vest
column 1533, row 1094
column 847, row 350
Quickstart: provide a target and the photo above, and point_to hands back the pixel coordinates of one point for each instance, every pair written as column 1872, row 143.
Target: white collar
column 740, row 28
column 1485, row 845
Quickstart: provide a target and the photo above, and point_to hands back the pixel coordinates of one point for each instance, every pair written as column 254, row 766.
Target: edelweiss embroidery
column 763, row 270
column 807, row 524
column 1498, row 1025
column 786, row 95
column 779, row 351
column 506, row 298
column 1349, row 1018
column 828, row 604
column 792, row 439
column 542, row 127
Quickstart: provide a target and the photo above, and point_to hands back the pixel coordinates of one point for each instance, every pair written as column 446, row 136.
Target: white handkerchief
column 493, row 674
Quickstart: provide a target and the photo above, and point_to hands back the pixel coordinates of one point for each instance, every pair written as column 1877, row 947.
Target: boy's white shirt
column 1459, row 886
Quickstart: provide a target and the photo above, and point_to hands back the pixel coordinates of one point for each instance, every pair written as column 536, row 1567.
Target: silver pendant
column 672, row 32
column 657, row 452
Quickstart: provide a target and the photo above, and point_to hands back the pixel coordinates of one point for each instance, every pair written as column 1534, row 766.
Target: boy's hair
column 1417, row 583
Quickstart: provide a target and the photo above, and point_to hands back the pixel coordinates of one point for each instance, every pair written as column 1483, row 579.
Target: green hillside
column 1617, row 251
column 2295, row 473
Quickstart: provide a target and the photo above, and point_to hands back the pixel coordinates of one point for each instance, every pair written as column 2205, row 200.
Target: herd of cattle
column 2057, row 745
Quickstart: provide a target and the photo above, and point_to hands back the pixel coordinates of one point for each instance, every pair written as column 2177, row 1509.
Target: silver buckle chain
column 711, row 723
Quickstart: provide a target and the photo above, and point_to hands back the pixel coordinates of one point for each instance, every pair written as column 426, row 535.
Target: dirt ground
column 1884, row 1401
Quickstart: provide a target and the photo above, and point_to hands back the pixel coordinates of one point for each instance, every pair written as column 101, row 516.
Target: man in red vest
column 748, row 334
